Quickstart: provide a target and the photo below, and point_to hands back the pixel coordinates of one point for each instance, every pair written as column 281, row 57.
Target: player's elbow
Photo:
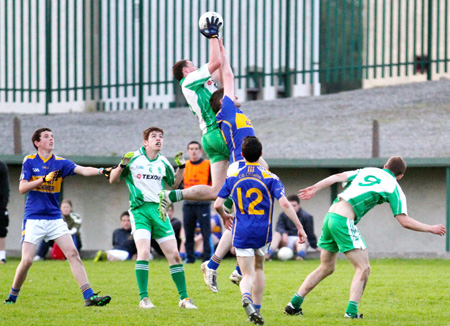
column 284, row 203
column 214, row 64
column 228, row 74
column 216, row 205
column 404, row 220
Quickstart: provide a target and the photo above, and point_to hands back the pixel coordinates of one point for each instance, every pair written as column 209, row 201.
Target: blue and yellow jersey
column 43, row 202
column 254, row 190
column 235, row 126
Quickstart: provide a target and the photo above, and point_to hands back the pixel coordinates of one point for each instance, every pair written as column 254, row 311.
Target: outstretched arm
column 215, row 58
column 410, row 223
column 227, row 75
column 309, row 192
column 87, row 171
column 115, row 175
column 181, row 164
column 211, row 31
column 179, row 174
column 292, row 215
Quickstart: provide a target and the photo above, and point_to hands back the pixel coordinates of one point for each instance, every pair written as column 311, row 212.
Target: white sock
column 2, row 254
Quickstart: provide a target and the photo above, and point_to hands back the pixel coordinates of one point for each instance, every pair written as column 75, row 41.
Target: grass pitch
column 399, row 292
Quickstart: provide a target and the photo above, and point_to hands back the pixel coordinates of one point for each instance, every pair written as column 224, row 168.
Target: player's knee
column 26, row 262
column 367, row 270
column 72, row 254
column 327, row 270
column 177, row 258
column 364, row 270
column 144, row 254
column 173, row 255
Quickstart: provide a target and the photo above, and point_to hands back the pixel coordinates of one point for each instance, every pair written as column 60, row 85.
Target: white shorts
column 119, row 254
column 293, row 239
column 34, row 231
column 252, row 252
column 145, row 234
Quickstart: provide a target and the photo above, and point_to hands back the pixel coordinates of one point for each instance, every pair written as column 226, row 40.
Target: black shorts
column 4, row 222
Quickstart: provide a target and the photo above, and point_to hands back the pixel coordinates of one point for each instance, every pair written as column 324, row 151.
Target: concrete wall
column 101, row 204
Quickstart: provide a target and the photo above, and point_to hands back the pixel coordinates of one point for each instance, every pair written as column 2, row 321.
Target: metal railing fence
column 118, row 54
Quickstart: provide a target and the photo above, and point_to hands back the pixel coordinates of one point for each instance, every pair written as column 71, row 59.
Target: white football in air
column 202, row 21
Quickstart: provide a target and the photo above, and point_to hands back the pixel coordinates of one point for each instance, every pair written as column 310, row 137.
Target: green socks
column 175, row 195
column 177, row 273
column 142, row 278
column 352, row 308
column 297, row 301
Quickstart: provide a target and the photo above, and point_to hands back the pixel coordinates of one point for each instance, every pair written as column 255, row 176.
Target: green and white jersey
column 197, row 88
column 372, row 186
column 145, row 178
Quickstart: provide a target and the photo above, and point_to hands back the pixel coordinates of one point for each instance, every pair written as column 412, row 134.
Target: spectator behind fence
column 73, row 221
column 286, row 233
column 216, row 234
column 123, row 243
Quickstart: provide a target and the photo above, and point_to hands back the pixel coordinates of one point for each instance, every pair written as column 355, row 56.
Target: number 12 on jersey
column 251, row 204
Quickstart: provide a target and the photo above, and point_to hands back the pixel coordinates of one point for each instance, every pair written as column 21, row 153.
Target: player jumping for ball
column 197, row 85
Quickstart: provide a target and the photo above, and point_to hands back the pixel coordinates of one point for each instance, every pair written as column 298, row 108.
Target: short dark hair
column 294, row 198
column 67, row 201
column 194, row 142
column 37, row 135
column 149, row 130
column 177, row 69
column 126, row 213
column 396, row 165
column 216, row 100
column 251, row 148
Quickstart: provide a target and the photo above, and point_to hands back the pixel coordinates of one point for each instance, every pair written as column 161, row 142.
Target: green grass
column 399, row 292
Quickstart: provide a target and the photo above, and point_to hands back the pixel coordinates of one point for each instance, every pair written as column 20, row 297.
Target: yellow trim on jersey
column 242, row 121
column 45, row 160
column 231, row 134
column 266, row 175
column 29, row 157
column 48, row 187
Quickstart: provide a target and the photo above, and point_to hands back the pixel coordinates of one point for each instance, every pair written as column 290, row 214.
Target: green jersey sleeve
column 126, row 170
column 397, row 200
column 169, row 177
column 351, row 175
column 196, row 79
